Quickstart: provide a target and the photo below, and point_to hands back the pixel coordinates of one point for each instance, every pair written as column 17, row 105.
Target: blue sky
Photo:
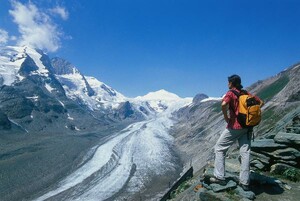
column 183, row 46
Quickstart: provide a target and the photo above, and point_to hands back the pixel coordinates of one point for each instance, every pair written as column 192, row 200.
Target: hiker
column 234, row 131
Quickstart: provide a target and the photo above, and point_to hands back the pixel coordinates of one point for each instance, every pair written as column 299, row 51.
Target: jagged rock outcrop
column 280, row 153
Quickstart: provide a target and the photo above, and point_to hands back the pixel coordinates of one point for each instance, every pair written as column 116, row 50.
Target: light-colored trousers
column 227, row 138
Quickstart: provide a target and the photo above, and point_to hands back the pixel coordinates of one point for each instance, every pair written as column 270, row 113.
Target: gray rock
column 293, row 129
column 245, row 194
column 265, row 144
column 287, row 138
column 218, row 188
column 261, row 157
column 288, row 162
column 257, row 164
column 205, row 185
column 206, row 195
column 260, row 161
column 286, row 154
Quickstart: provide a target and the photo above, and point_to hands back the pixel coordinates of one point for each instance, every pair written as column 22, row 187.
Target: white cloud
column 13, row 38
column 60, row 11
column 3, row 37
column 36, row 28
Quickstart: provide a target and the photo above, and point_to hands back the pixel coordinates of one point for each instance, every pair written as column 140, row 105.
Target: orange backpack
column 249, row 109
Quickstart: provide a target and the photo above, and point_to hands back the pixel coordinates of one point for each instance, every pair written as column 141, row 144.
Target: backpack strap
column 243, row 92
column 235, row 93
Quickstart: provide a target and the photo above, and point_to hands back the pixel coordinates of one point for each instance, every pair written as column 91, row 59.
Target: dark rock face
column 110, row 92
column 61, row 66
column 14, row 104
column 28, row 66
column 125, row 110
column 5, row 124
column 199, row 97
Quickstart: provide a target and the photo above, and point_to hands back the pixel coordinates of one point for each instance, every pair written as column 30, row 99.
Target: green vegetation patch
column 270, row 91
column 185, row 185
column 292, row 174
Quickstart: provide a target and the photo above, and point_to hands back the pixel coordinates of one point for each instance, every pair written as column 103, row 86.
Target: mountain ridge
column 68, row 89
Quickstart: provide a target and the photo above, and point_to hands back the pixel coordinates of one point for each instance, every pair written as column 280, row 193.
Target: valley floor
column 31, row 163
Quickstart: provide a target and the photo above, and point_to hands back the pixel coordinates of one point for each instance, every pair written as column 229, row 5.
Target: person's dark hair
column 236, row 81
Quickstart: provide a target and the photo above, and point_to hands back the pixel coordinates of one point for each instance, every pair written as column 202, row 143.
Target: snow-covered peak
column 106, row 92
column 87, row 90
column 11, row 60
column 161, row 101
column 159, row 95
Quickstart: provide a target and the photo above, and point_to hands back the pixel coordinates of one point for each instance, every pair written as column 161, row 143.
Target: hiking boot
column 244, row 187
column 217, row 181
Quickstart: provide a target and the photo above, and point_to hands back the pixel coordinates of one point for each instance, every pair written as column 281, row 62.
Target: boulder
column 286, row 154
column 245, row 194
column 287, row 138
column 218, row 188
column 293, row 129
column 265, row 144
column 261, row 157
column 206, row 195
column 257, row 164
column 279, row 168
column 288, row 162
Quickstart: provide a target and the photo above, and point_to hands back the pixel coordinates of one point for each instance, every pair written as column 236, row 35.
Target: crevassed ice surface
column 144, row 146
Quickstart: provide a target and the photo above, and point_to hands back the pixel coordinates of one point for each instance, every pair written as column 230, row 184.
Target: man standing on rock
column 234, row 131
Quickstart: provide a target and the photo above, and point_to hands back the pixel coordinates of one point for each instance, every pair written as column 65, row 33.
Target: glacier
column 125, row 162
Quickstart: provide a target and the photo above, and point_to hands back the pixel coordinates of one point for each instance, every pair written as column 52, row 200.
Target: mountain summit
column 159, row 95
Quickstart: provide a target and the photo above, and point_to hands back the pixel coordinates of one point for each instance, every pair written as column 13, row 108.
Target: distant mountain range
column 39, row 94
